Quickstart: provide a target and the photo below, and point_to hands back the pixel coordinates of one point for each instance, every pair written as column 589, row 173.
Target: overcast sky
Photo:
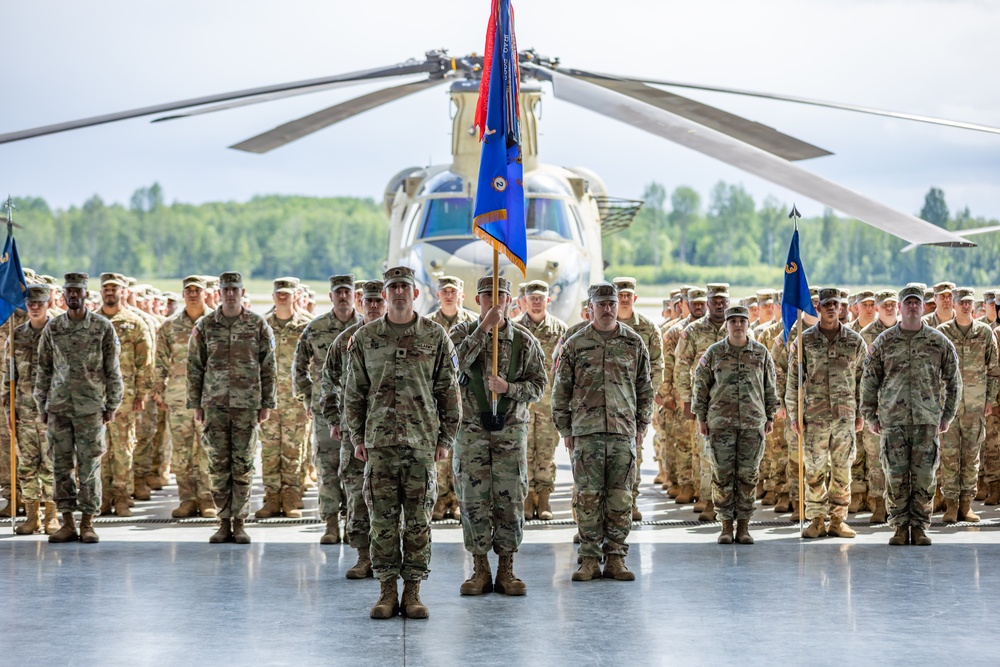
column 68, row 59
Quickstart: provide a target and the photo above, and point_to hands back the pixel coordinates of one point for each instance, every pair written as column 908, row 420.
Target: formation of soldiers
column 400, row 420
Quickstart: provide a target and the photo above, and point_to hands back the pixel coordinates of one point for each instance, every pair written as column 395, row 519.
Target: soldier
column 147, row 462
column 766, row 306
column 402, row 409
column 909, row 394
column 492, row 445
column 359, row 290
column 990, row 305
column 231, row 388
column 831, row 389
column 944, row 304
column 189, row 459
column 960, row 445
column 602, row 403
column 78, row 388
column 735, row 401
column 19, row 317
column 352, row 470
column 34, row 462
column 310, row 354
column 866, row 310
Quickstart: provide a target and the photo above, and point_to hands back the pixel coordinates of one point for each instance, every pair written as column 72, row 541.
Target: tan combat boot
column 332, row 534
column 507, row 582
column 529, row 506
column 32, row 525
column 51, row 519
column 900, row 537
column 239, row 534
column 726, row 536
column 743, row 532
column 760, row 491
column 120, row 502
column 289, row 502
column 481, row 580
column 965, row 512
column 437, row 514
column 950, row 511
column 590, row 569
column 994, row 497
column 796, row 510
column 614, row 568
column 186, row 510
column 87, row 533
column 782, row 504
column 544, row 508
column 155, row 482
column 685, row 496
column 840, row 529
column 770, row 498
column 363, row 568
column 918, row 537
column 271, row 507
column 141, row 491
column 455, row 510
column 388, row 600
column 857, row 500
column 709, row 513
column 207, row 508
column 939, row 500
column 982, row 490
column 636, row 514
column 878, row 510
column 68, row 531
column 106, row 503
column 411, row 605
column 816, row 528
column 673, row 490
column 700, row 506
column 223, row 534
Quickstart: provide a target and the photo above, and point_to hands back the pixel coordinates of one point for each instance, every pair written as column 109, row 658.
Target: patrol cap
column 398, row 274
column 852, row 300
column 718, row 289
column 865, row 295
column 29, row 274
column 885, row 295
column 153, row 292
column 451, row 281
column 697, row 295
column 737, row 311
column 286, row 285
column 813, row 292
column 359, row 285
column 922, row 286
column 51, row 281
column 603, row 292
column 944, row 287
column 372, row 289
column 928, row 296
column 843, row 295
column 78, row 280
column 585, row 303
column 130, row 282
column 828, row 294
column 211, row 282
column 750, row 301
column 344, row 280
column 536, row 287
column 625, row 284
column 965, row 294
column 685, row 288
column 765, row 296
column 38, row 293
column 667, row 303
column 674, row 293
column 194, row 281
column 485, row 284
column 521, row 287
column 230, row 279
column 989, row 295
column 911, row 291
column 113, row 279
column 171, row 296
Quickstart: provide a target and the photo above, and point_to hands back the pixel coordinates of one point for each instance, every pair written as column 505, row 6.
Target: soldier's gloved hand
column 859, row 425
column 768, row 427
column 263, row 415
column 440, row 454
column 360, row 453
column 199, row 415
column 570, row 442
column 109, row 416
column 702, row 428
column 497, row 384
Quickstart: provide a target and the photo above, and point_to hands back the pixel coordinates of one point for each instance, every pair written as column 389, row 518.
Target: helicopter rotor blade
column 963, row 233
column 296, row 129
column 616, row 101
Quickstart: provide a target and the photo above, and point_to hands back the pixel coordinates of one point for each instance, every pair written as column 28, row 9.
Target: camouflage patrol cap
column 625, row 284
column 885, row 295
column 172, row 296
column 521, row 287
column 852, row 300
column 359, row 285
column 911, row 291
column 718, row 289
column 38, row 293
column 674, row 293
column 737, row 311
column 230, row 279
column 585, row 303
column 602, row 292
column 29, row 274
column 372, row 290
column 51, row 281
column 130, row 282
column 667, row 303
column 944, row 287
column 536, row 287
column 828, row 294
column 765, row 296
column 212, row 282
column 78, row 280
column 485, row 284
column 865, row 295
column 194, row 281
column 398, row 274
column 964, row 294
column 813, row 292
column 286, row 285
column 843, row 295
column 685, row 288
column 989, row 295
column 750, row 301
column 344, row 280
column 697, row 295
column 928, row 296
column 153, row 292
column 451, row 281
column 113, row 279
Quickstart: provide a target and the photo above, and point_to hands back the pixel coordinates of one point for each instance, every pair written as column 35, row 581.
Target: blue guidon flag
column 796, row 296
column 499, row 213
column 12, row 287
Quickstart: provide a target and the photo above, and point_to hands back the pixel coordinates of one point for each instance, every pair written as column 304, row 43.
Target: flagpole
column 800, row 418
column 9, row 205
column 496, row 328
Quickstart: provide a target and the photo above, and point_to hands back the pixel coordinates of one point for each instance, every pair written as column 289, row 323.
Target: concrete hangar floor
column 154, row 592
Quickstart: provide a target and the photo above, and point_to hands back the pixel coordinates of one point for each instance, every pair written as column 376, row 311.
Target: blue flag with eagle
column 499, row 212
column 796, row 296
column 12, row 287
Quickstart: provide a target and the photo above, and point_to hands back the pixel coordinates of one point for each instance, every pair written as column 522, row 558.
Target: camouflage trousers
column 162, row 445
column 446, row 481
column 910, row 459
column 790, row 462
column 229, row 436
column 829, row 451
column 352, row 473
column 328, row 458
column 307, row 453
column 684, row 448
column 116, row 467
column 990, row 471
column 702, row 467
column 281, row 438
column 145, row 436
column 870, row 444
column 659, row 432
column 76, row 444
column 771, row 473
column 734, row 456
column 604, row 466
column 859, row 472
column 400, row 487
column 34, row 461
column 5, row 459
column 491, row 482
column 189, row 459
column 960, row 449
column 543, row 438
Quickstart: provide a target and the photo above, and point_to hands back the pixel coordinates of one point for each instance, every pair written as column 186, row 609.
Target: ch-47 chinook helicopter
column 430, row 208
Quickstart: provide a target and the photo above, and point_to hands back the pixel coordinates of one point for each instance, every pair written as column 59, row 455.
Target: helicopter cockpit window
column 447, row 217
column 548, row 219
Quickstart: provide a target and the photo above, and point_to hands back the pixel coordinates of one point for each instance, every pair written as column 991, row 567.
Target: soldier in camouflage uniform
column 189, row 459
column 863, row 310
column 602, row 403
column 19, row 317
column 909, row 394
column 491, row 466
column 311, row 353
column 663, row 431
column 944, row 304
column 831, row 384
column 989, row 477
column 135, row 361
column 231, row 386
column 542, row 435
column 78, row 388
column 146, row 475
column 352, row 470
column 402, row 412
column 735, row 401
column 960, row 445
column 34, row 462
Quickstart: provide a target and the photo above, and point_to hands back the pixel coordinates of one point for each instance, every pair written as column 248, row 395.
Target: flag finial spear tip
column 794, row 213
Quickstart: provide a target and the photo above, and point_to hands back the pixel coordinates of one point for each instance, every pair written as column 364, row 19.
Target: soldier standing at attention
column 602, row 403
column 735, row 401
column 944, row 304
column 542, row 435
column 909, row 394
column 961, row 444
column 402, row 409
column 231, row 388
column 78, row 388
column 831, row 384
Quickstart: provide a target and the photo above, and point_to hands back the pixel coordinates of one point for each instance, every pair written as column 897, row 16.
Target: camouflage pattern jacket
column 695, row 340
column 734, row 388
column 311, row 352
column 653, row 338
column 25, row 351
column 286, row 337
column 603, row 386
column 977, row 363
column 779, row 355
column 135, row 357
column 547, row 333
column 462, row 315
column 170, row 373
column 670, row 338
column 831, row 378
column 333, row 376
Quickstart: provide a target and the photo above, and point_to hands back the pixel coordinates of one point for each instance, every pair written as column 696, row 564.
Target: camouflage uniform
column 231, row 376
column 901, row 391
column 653, row 339
column 491, row 468
column 991, row 446
column 19, row 317
column 783, row 471
column 146, row 460
column 868, row 440
column 681, row 429
column 34, row 461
